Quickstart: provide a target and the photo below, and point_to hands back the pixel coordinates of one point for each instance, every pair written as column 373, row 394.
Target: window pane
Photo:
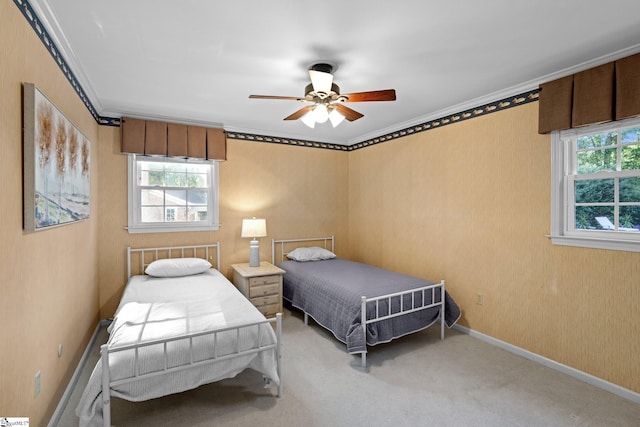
column 151, row 173
column 176, row 179
column 197, row 180
column 630, row 157
column 197, row 168
column 175, row 167
column 597, row 140
column 151, row 166
column 597, row 160
column 631, row 135
column 594, row 191
column 179, row 214
column 176, row 197
column 152, row 214
column 630, row 218
column 198, row 213
column 594, row 217
column 151, row 177
column 198, row 198
column 152, row 197
column 630, row 190
column 170, row 214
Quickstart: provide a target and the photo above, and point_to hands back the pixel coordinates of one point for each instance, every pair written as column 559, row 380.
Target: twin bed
column 181, row 324
column 360, row 304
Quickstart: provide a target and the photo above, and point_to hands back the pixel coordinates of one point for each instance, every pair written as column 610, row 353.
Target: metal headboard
column 148, row 255
column 296, row 242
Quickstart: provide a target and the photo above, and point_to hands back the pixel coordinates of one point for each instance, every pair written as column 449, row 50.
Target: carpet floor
column 417, row 380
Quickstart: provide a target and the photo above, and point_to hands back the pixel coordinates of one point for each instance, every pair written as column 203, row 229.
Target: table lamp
column 254, row 228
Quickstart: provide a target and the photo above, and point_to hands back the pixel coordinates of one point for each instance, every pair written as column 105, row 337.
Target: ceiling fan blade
column 301, row 112
column 285, row 98
column 348, row 113
column 376, row 95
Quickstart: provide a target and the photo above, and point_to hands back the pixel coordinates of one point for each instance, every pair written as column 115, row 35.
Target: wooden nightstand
column 261, row 285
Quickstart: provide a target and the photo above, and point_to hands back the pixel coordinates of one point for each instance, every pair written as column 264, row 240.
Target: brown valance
column 628, row 87
column 555, row 101
column 608, row 92
column 155, row 138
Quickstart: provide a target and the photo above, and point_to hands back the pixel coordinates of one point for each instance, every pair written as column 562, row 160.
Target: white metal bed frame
column 198, row 251
column 425, row 291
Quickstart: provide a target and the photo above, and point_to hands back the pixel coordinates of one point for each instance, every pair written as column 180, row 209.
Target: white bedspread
column 154, row 308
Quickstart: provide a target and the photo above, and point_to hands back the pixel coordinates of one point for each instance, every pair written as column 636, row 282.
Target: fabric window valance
column 601, row 94
column 153, row 138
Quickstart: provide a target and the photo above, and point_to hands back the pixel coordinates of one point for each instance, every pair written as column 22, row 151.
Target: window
column 172, row 195
column 596, row 186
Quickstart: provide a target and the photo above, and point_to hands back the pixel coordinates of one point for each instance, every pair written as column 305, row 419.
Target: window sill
column 172, row 229
column 596, row 243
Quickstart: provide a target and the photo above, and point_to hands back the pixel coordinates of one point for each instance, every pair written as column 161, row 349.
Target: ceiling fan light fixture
column 320, row 113
column 321, row 82
column 335, row 118
column 309, row 119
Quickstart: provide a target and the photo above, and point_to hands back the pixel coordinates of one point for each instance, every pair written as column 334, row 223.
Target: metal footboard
column 427, row 293
column 107, row 383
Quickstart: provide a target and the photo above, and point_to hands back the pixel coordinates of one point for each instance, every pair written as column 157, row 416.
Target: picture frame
column 56, row 165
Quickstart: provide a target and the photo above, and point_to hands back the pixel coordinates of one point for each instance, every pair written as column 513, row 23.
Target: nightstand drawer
column 264, row 280
column 269, row 310
column 269, row 299
column 259, row 291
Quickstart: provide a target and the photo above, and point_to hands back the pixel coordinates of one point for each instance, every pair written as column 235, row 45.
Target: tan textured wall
column 48, row 279
column 470, row 203
column 300, row 191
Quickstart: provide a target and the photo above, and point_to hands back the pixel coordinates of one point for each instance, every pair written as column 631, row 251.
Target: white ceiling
column 197, row 61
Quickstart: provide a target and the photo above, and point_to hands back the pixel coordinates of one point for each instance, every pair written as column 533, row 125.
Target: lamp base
column 254, row 254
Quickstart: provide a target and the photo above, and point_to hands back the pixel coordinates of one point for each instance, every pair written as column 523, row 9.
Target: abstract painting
column 56, row 165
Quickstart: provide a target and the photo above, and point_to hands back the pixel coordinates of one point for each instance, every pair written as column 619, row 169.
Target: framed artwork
column 56, row 178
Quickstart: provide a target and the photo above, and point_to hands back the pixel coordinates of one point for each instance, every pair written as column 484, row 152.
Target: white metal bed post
column 106, row 390
column 273, row 251
column 363, row 321
column 217, row 246
column 128, row 261
column 279, row 351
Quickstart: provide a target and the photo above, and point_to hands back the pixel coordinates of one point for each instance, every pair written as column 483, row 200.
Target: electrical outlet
column 480, row 299
column 36, row 391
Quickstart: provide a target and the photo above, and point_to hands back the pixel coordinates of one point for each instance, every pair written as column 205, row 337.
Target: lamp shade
column 254, row 227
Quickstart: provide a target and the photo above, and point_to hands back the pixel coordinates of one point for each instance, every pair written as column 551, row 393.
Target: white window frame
column 562, row 178
column 134, row 212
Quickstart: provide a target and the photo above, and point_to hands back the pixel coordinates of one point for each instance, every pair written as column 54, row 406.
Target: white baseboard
column 582, row 376
column 55, row 418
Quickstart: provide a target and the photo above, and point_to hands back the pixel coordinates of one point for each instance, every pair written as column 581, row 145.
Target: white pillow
column 313, row 253
column 176, row 267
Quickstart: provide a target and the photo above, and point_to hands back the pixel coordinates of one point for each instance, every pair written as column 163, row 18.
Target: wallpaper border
column 471, row 113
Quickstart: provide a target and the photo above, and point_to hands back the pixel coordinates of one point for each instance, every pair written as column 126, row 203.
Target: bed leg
column 364, row 359
column 106, row 392
column 279, row 351
column 306, row 319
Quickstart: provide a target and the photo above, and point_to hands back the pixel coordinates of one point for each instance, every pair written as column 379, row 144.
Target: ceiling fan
column 325, row 101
